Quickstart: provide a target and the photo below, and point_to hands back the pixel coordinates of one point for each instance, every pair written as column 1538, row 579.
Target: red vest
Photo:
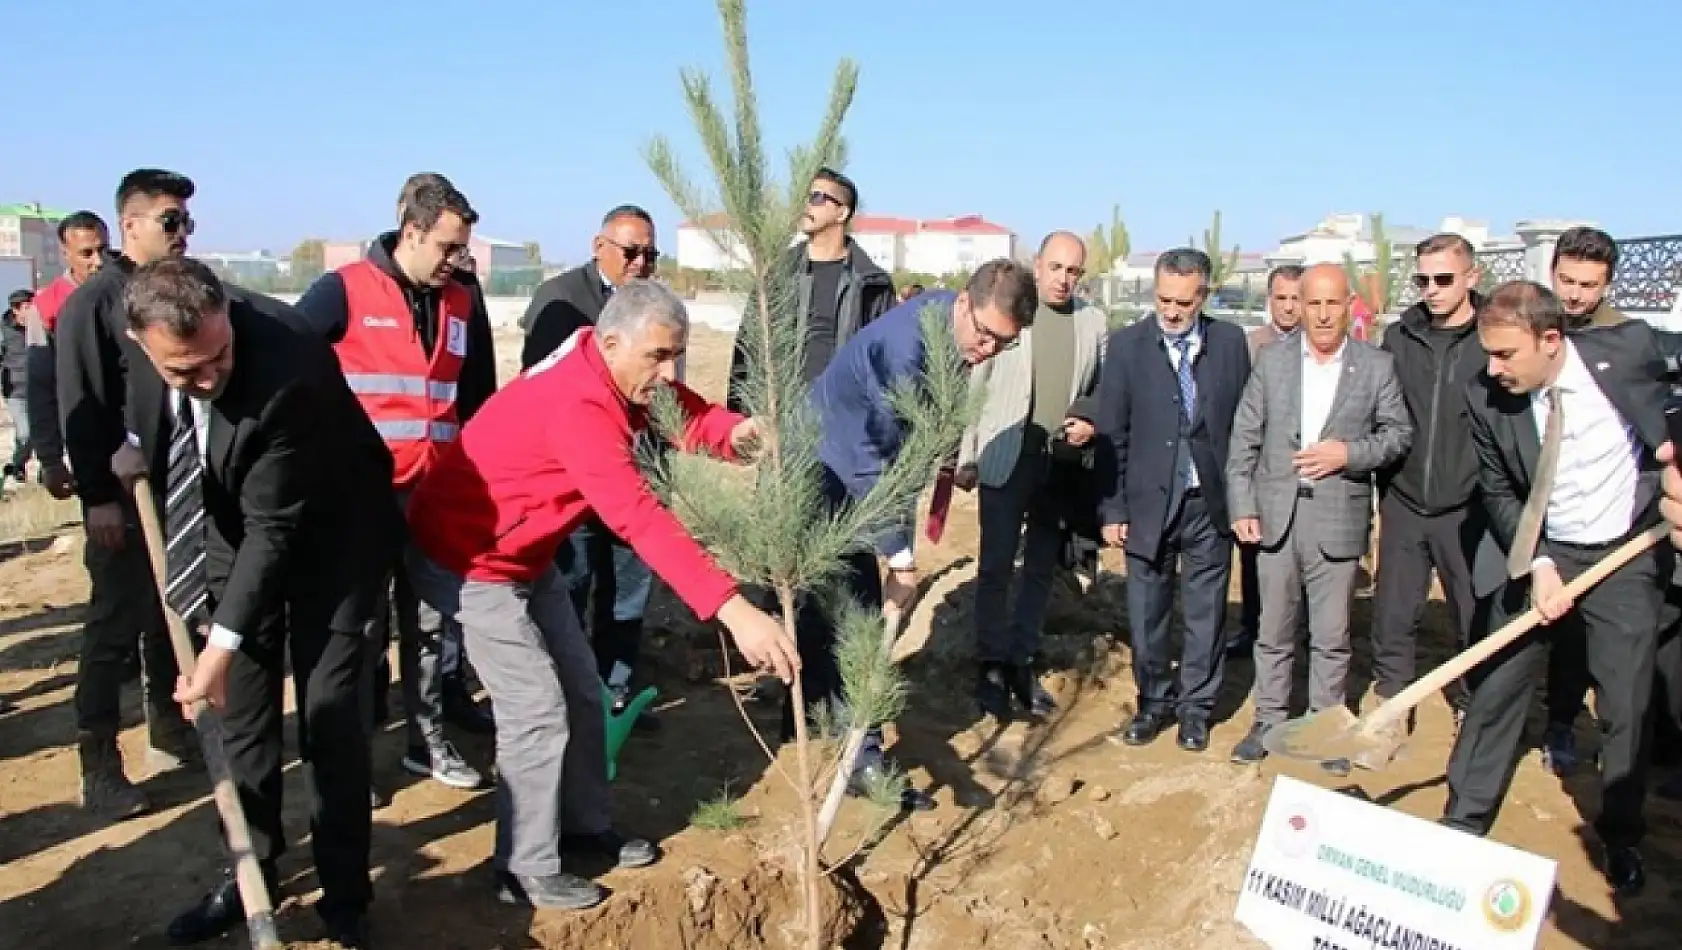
column 410, row 398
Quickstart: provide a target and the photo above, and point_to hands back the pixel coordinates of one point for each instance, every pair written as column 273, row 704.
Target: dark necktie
column 186, row 589
column 1188, row 395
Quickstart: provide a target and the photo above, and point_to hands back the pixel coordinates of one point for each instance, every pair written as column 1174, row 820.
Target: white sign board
column 1332, row 872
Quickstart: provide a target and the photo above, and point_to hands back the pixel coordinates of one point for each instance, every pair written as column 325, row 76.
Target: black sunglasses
column 175, row 220
column 818, row 197
column 648, row 253
column 1423, row 281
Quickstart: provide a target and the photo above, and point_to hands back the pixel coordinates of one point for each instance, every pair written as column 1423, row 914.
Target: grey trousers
column 421, row 632
column 551, row 740
column 1000, row 636
column 1283, row 573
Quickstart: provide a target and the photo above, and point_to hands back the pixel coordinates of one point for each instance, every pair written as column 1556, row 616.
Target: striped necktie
column 187, row 589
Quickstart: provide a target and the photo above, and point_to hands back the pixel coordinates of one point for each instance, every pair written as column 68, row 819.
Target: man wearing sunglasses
column 92, row 353
column 1428, row 500
column 841, row 288
column 415, row 344
column 595, row 563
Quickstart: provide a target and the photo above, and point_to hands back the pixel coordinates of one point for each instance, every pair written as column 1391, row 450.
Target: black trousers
column 1618, row 621
column 122, row 613
column 1249, row 588
column 1198, row 556
column 1569, row 681
column 815, row 627
column 332, row 740
column 1409, row 548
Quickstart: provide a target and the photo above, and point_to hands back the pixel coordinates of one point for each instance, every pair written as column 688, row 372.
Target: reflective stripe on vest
column 388, row 384
column 411, row 430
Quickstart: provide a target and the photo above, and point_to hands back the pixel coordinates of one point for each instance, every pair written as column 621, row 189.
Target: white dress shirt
column 1593, row 499
column 1195, row 335
column 1319, row 390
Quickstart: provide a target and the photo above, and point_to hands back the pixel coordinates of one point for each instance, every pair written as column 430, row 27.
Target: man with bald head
column 1320, row 415
column 1025, row 452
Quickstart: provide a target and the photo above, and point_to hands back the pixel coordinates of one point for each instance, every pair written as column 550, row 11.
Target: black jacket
column 561, row 306
column 93, row 354
column 323, row 306
column 1440, row 472
column 298, row 494
column 1139, row 421
column 866, row 292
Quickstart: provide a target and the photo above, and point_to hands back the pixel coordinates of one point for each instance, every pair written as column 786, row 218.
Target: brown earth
column 1053, row 837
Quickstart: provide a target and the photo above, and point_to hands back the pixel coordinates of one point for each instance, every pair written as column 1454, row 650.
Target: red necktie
column 939, row 505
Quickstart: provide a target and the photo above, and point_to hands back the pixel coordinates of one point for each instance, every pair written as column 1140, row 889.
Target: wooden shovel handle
column 248, row 872
column 1403, row 702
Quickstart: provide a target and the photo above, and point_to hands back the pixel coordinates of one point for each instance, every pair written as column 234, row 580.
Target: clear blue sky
column 304, row 121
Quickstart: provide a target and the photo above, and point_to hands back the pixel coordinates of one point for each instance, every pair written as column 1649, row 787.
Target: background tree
column 534, row 254
column 1104, row 248
column 1222, row 264
column 1377, row 282
column 309, row 259
column 771, row 525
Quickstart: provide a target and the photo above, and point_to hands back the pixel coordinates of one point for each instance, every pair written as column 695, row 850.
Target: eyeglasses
column 817, row 198
column 1423, row 281
column 999, row 340
column 649, row 253
column 175, row 220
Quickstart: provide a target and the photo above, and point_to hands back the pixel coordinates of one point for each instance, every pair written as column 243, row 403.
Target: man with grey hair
column 1170, row 385
column 551, row 449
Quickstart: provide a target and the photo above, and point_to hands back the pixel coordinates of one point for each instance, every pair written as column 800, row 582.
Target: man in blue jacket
column 862, row 435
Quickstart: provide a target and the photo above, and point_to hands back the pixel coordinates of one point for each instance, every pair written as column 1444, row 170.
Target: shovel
column 1335, row 737
column 248, row 873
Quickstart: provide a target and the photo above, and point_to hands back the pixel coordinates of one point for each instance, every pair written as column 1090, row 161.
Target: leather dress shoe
column 992, row 691
column 625, row 852
column 1033, row 697
column 217, row 913
column 552, row 891
column 1624, row 871
column 348, row 930
column 1145, row 727
column 1194, row 734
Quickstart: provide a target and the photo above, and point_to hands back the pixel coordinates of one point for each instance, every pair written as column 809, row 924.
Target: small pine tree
column 772, row 526
column 1222, row 264
column 1120, row 243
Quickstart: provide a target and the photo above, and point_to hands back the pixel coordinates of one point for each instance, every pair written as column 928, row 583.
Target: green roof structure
column 32, row 209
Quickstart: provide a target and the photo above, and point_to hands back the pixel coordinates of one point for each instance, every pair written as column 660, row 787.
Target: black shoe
column 552, row 891
column 1194, row 734
column 872, row 769
column 1250, row 749
column 217, row 913
column 1033, row 697
column 627, row 852
column 1145, row 727
column 992, row 692
column 1624, row 871
column 462, row 712
column 348, row 930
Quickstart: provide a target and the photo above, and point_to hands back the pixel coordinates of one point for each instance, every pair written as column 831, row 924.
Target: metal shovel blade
column 1324, row 736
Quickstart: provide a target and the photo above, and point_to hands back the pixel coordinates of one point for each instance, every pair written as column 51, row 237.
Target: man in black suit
column 278, row 510
column 1566, row 430
column 1171, row 383
column 595, row 561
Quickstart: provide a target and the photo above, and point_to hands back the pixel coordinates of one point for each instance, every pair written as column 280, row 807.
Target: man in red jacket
column 549, row 450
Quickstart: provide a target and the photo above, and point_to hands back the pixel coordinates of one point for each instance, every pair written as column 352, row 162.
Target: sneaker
column 443, row 764
column 551, row 891
column 1250, row 749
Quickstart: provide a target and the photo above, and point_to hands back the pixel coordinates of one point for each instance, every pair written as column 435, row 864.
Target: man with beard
column 93, row 353
column 85, row 244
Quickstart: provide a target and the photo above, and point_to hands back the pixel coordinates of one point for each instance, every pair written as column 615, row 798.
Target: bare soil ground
column 1051, row 838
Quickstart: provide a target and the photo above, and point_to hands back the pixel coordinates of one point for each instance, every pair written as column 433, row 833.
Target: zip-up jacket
column 1440, row 472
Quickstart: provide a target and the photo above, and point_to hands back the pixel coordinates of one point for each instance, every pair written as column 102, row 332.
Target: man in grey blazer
column 1318, row 417
column 1025, row 453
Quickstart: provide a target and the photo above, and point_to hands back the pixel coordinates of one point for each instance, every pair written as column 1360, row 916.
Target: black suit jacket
column 562, row 305
column 1627, row 361
column 1139, row 419
column 298, row 485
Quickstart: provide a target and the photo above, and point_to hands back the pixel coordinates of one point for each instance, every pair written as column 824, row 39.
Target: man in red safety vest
column 415, row 345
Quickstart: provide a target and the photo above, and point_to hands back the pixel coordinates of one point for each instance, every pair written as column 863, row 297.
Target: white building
column 1351, row 234
column 934, row 246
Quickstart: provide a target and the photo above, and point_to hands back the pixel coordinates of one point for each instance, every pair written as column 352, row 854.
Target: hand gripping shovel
column 248, row 874
column 1331, row 735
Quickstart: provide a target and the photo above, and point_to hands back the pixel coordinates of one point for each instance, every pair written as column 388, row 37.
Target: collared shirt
column 1193, row 348
column 1319, row 390
column 1593, row 499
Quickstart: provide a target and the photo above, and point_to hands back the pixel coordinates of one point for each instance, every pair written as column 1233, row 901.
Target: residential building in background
column 245, row 267
column 925, row 246
column 31, row 231
column 490, row 256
